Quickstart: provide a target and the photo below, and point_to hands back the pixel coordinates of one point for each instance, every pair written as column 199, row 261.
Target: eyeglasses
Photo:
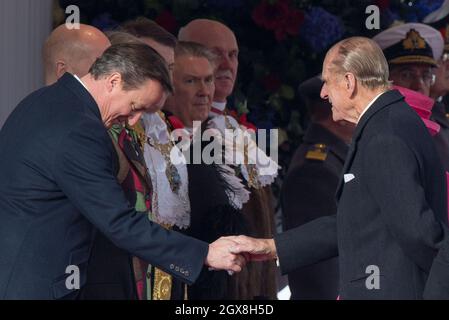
column 409, row 76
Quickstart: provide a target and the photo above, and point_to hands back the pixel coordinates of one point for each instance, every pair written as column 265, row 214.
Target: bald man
column 72, row 51
column 259, row 282
column 222, row 41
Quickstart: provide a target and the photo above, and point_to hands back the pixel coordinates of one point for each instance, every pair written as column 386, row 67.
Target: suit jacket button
column 172, row 266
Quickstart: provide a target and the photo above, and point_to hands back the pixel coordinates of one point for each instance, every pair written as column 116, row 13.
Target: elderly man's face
column 127, row 106
column 417, row 77
column 193, row 81
column 333, row 90
column 224, row 45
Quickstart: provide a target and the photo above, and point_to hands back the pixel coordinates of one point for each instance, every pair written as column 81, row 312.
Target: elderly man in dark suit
column 392, row 199
column 59, row 186
column 308, row 191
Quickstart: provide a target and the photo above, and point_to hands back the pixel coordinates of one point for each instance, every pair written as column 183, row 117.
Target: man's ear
column 114, row 81
column 61, row 68
column 350, row 83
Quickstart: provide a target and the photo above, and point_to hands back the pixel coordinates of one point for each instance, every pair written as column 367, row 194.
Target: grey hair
column 136, row 63
column 116, row 37
column 193, row 49
column 363, row 58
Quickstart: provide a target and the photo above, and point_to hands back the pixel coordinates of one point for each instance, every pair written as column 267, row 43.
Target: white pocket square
column 348, row 177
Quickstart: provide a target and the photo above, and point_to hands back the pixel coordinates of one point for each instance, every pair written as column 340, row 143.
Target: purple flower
column 388, row 17
column 321, row 29
column 424, row 7
column 416, row 11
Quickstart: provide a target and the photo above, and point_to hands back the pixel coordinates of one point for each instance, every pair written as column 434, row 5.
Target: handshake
column 233, row 252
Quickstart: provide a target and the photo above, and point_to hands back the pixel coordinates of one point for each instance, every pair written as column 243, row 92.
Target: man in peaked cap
column 308, row 191
column 412, row 51
column 440, row 112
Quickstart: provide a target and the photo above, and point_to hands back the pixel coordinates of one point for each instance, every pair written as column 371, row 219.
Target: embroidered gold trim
column 162, row 285
column 171, row 172
column 253, row 175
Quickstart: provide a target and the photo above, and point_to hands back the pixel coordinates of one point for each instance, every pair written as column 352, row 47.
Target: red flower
column 279, row 17
column 167, row 20
column 290, row 25
column 271, row 82
column 268, row 15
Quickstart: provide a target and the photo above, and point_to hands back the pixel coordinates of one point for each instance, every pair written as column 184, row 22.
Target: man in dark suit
column 392, row 199
column 59, row 185
column 109, row 273
column 308, row 191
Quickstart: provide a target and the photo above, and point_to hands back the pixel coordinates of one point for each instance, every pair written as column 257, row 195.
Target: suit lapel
column 69, row 81
column 348, row 162
column 383, row 101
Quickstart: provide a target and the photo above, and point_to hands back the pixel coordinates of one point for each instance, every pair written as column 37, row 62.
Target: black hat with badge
column 411, row 43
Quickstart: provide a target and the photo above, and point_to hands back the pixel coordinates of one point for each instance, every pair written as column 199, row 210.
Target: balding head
column 72, row 51
column 354, row 72
column 221, row 40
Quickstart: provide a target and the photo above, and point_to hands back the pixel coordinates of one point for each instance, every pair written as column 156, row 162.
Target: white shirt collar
column 370, row 104
column 219, row 105
column 76, row 77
